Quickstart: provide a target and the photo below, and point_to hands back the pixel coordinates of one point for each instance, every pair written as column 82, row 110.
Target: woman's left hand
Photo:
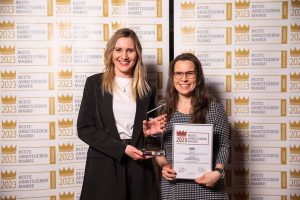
column 154, row 125
column 209, row 179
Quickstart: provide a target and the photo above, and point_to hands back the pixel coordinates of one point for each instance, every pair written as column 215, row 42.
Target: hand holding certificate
column 192, row 149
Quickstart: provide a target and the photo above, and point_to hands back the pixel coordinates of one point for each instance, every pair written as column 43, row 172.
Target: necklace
column 123, row 84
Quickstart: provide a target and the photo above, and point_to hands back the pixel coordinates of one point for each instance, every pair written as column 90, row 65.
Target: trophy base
column 147, row 152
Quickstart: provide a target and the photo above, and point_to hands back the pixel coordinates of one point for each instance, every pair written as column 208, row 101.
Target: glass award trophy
column 153, row 144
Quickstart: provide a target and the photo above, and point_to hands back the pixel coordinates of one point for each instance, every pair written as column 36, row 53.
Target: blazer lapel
column 140, row 115
column 108, row 116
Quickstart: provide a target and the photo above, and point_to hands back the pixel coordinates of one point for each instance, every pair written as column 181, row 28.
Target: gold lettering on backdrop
column 51, row 130
column 50, row 7
column 52, row 155
column 228, row 59
column 159, row 8
column 283, row 131
column 228, row 107
column 284, row 32
column 228, row 35
column 159, row 56
column 50, row 31
column 105, row 32
column 51, row 106
column 105, row 8
column 52, row 179
column 228, row 11
column 283, row 83
column 283, row 59
column 228, row 83
column 283, row 180
column 51, row 81
column 283, row 107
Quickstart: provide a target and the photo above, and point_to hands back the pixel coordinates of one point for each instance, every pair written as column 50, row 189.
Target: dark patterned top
column 189, row 189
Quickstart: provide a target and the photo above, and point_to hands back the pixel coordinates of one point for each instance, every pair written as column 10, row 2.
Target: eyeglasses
column 188, row 74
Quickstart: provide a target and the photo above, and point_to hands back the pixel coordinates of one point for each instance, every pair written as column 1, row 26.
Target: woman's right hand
column 154, row 125
column 168, row 173
column 134, row 153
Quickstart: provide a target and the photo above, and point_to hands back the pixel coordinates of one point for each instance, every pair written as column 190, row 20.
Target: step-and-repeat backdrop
column 48, row 48
column 250, row 51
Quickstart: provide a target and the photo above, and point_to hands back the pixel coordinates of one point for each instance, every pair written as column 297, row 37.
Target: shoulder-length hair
column 200, row 96
column 139, row 86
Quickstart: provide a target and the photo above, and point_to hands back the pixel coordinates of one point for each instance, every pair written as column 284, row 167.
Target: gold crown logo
column 242, row 53
column 64, row 25
column 295, row 52
column 8, row 75
column 66, row 172
column 188, row 6
column 242, row 29
column 63, row 2
column 295, row 173
column 295, row 101
column 66, row 147
column 295, row 28
column 181, row 133
column 241, row 77
column 66, row 196
column 242, row 4
column 294, row 149
column 241, row 195
column 9, row 100
column 9, row 150
column 295, row 125
column 241, row 101
column 8, row 175
column 295, row 76
column 6, row 1
column 117, row 25
column 294, row 197
column 65, row 99
column 295, row 3
column 8, row 198
column 66, row 50
column 188, row 29
column 7, row 50
column 65, row 74
column 241, row 125
column 241, row 172
column 65, row 123
column 118, row 2
column 7, row 25
column 241, row 148
column 9, row 124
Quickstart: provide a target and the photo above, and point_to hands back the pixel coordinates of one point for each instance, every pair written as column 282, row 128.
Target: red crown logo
column 181, row 133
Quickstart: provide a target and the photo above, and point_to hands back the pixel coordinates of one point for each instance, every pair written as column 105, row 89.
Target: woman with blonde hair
column 110, row 121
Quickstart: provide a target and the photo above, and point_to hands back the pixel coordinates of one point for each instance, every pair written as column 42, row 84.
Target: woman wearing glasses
column 187, row 101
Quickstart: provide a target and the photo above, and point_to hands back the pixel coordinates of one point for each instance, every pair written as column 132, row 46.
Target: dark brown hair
column 200, row 96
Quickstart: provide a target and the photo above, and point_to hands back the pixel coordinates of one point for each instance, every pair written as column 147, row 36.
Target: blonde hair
column 139, row 86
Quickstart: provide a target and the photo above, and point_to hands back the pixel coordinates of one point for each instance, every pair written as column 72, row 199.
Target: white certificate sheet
column 192, row 149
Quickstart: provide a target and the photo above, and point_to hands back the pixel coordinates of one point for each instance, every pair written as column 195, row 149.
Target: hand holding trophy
column 153, row 131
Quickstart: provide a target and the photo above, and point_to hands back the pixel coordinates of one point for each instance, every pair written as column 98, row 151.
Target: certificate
column 192, row 149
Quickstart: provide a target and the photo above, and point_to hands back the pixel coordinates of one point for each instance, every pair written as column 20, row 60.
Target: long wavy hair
column 139, row 86
column 200, row 96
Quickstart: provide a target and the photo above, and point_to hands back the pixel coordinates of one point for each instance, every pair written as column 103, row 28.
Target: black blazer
column 107, row 167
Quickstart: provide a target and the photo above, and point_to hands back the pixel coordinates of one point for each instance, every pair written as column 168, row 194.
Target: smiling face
column 184, row 77
column 124, row 56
